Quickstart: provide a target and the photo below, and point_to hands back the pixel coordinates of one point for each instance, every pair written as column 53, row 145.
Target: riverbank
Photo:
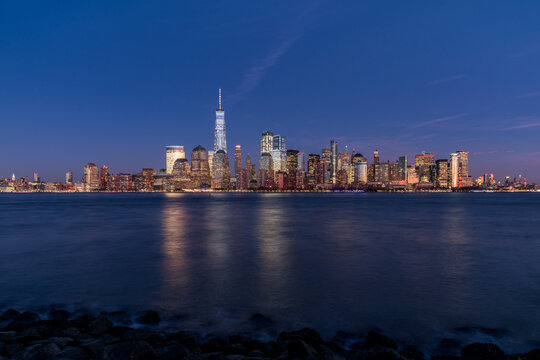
column 60, row 334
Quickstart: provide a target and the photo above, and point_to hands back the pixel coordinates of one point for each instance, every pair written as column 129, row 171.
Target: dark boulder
column 445, row 357
column 412, row 353
column 534, row 354
column 150, row 317
column 72, row 353
column 375, row 338
column 482, row 351
column 59, row 315
column 41, row 352
column 183, row 338
column 213, row 345
column 82, row 321
column 309, row 336
column 94, row 347
column 299, row 349
column 172, row 352
column 142, row 334
column 22, row 321
column 99, row 326
column 9, row 314
column 133, row 350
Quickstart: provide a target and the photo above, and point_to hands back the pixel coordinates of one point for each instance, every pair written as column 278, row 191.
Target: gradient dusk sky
column 114, row 82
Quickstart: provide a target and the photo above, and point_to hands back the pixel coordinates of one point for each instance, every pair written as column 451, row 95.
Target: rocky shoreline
column 60, row 334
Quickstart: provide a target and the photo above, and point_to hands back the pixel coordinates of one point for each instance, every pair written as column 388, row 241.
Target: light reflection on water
column 416, row 265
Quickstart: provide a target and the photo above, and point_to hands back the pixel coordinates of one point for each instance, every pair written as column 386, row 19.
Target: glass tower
column 220, row 136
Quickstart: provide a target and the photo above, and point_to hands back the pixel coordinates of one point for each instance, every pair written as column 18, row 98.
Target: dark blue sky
column 114, row 82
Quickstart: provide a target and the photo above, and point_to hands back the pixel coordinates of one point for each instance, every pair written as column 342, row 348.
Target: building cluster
column 279, row 168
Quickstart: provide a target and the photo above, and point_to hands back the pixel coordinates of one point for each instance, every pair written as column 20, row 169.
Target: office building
column 220, row 135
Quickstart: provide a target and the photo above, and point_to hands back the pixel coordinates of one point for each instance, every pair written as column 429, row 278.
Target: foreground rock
column 80, row 336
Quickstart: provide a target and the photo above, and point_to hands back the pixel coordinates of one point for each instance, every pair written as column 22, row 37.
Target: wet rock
column 448, row 347
column 309, row 336
column 236, row 349
column 41, row 352
column 9, row 314
column 82, row 321
column 375, row 338
column 27, row 335
column 72, row 353
column 119, row 317
column 108, row 339
column 482, row 351
column 12, row 349
column 95, row 347
column 99, row 326
column 59, row 315
column 150, row 317
column 71, row 332
column 22, row 321
column 141, row 334
column 61, row 341
column 133, row 350
column 383, row 353
column 534, row 354
column 412, row 353
column 445, row 357
column 172, row 352
column 184, row 338
column 213, row 345
column 300, row 349
column 118, row 331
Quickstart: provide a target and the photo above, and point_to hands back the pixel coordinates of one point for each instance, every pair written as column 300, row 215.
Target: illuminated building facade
column 200, row 168
column 443, row 173
column 173, row 153
column 402, row 168
column 334, row 161
column 91, row 177
column 104, row 177
column 423, row 164
column 238, row 166
column 69, row 178
column 182, row 174
column 221, row 175
column 220, row 135
column 267, row 142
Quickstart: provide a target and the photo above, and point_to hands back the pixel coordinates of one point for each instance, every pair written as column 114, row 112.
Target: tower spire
column 219, row 107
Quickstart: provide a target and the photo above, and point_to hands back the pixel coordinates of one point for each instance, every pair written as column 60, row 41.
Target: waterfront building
column 376, row 157
column 313, row 160
column 238, row 166
column 267, row 142
column 173, row 153
column 69, row 178
column 210, row 155
column 200, row 168
column 393, row 172
column 103, row 177
column 91, row 177
column 279, row 159
column 182, row 174
column 163, row 182
column 333, row 163
column 412, row 177
column 221, row 175
column 148, row 178
column 360, row 169
column 402, row 168
column 281, row 180
column 443, row 171
column 382, row 172
column 220, row 135
column 36, row 177
column 422, row 164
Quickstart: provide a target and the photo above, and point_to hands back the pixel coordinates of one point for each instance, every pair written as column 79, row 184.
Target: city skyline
column 120, row 84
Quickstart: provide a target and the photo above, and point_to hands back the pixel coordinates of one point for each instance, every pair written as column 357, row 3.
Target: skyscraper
column 182, row 174
column 69, row 178
column 402, row 168
column 221, row 174
column 220, row 135
column 200, row 170
column 91, row 177
column 36, row 177
column 280, row 142
column 333, row 164
column 454, row 166
column 104, row 177
column 292, row 161
column 267, row 142
column 238, row 165
column 442, row 167
column 173, row 153
column 423, row 163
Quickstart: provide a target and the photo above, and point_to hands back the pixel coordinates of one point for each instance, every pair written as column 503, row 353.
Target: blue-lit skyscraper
column 220, row 136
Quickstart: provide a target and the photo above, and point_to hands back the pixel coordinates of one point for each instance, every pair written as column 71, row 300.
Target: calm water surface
column 418, row 266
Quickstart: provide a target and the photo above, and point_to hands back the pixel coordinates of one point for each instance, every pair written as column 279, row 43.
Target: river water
column 420, row 267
